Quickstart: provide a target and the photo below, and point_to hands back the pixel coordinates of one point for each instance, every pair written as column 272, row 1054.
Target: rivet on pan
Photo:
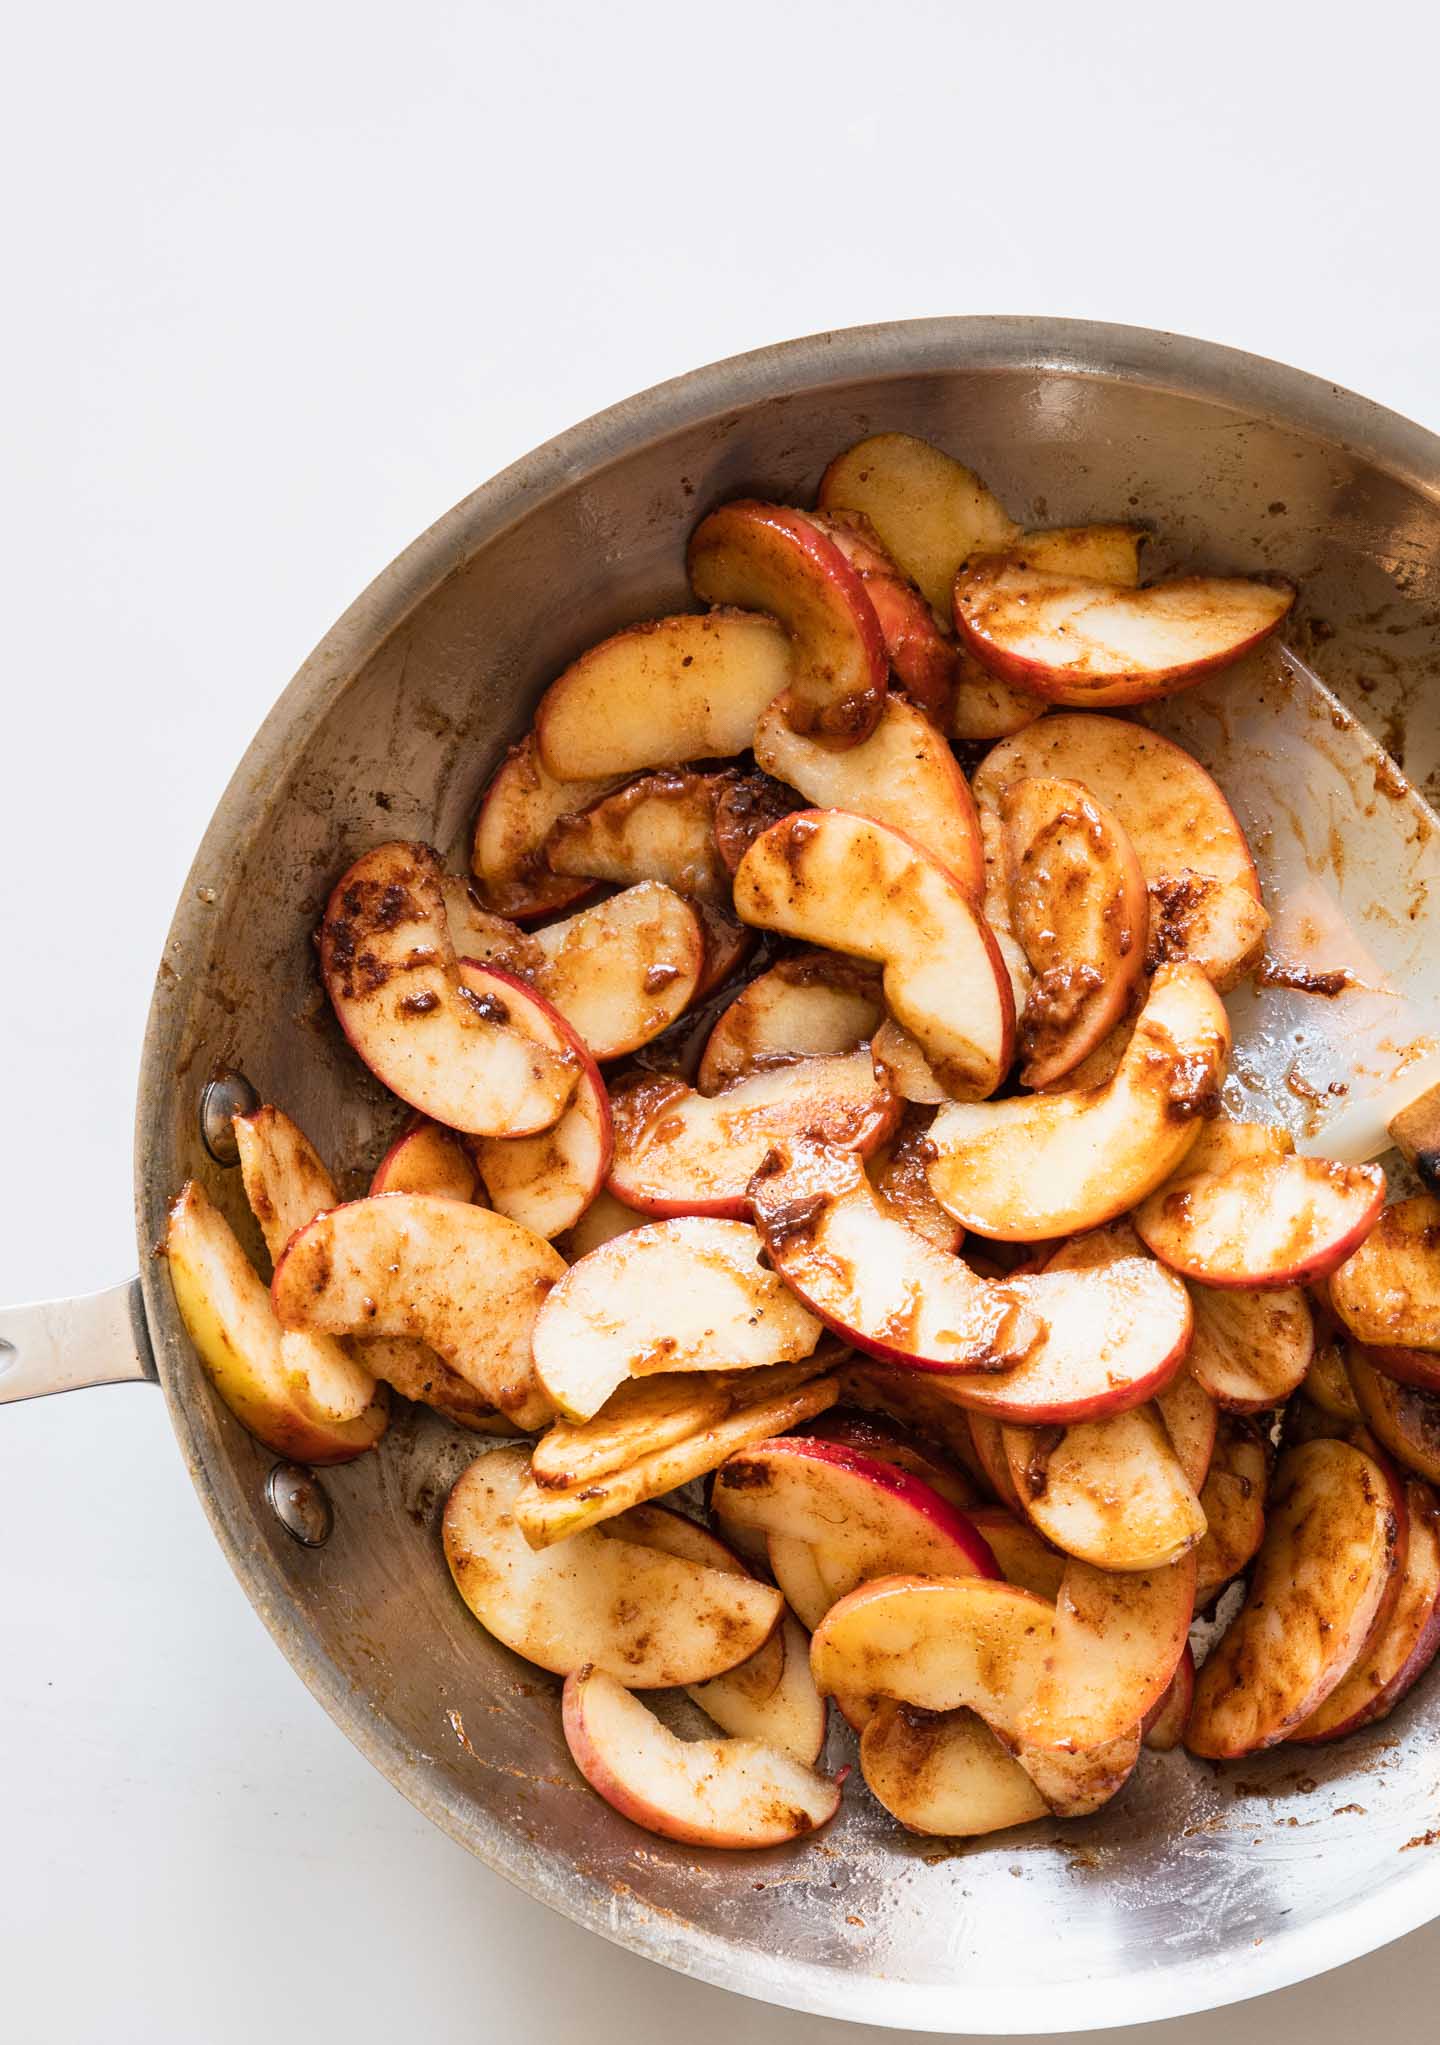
column 227, row 1094
column 301, row 1504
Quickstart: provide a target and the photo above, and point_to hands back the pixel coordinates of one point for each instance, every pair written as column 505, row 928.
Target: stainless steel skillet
column 1194, row 1888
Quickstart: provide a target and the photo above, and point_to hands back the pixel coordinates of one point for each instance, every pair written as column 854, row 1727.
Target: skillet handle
column 67, row 1345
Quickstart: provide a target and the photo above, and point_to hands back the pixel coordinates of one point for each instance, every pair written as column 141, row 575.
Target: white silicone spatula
column 1349, row 861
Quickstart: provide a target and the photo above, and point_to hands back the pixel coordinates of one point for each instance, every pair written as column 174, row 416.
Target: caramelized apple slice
column 1251, row 1349
column 1117, row 1641
column 1174, row 814
column 765, row 557
column 815, row 1004
column 1398, row 1653
column 790, row 1716
column 922, row 658
column 855, row 886
column 900, row 1174
column 1388, row 1290
column 424, row 1158
column 942, row 1643
column 1261, row 1222
column 729, row 1793
column 507, row 852
column 903, row 775
column 660, row 695
column 477, row 1065
column 658, row 1619
column 1081, row 913
column 988, row 1435
column 1111, row 1492
column 928, row 511
column 622, row 972
column 1098, row 553
column 1419, row 1367
column 659, row 827
column 1327, row 1384
column 1023, row 1555
column 468, row 1282
column 546, row 1182
column 1053, row 1347
column 1233, row 1501
column 997, row 907
column 604, row 1218
column 1074, row 641
column 672, row 1296
column 888, row 1442
column 909, row 1397
column 679, row 1152
column 759, row 1403
column 1164, row 1724
column 1217, row 924
column 945, row 1774
column 1324, row 1575
column 902, row 1065
column 227, row 1314
column 1051, row 1164
column 1075, row 1783
column 1403, row 1418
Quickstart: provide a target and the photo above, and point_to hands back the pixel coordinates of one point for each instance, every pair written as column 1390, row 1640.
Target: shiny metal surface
column 225, row 1095
column 1197, row 1886
column 300, row 1502
column 72, row 1345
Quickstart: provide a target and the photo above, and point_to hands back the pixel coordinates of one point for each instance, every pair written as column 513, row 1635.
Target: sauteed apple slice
column 1111, row 1492
column 1075, row 641
column 1098, row 553
column 922, row 658
column 760, row 1403
column 1117, row 1641
column 942, row 1643
column 392, row 976
column 945, row 1773
column 1327, row 1384
column 517, row 812
column 790, row 1716
column 662, row 694
column 1080, row 910
column 424, row 1158
column 856, row 886
column 901, row 1063
column 1050, row 1164
column 546, row 1182
column 764, row 557
column 929, row 512
column 1251, row 1349
column 903, row 775
column 909, row 1397
column 1259, row 1221
column 659, row 827
column 888, row 1442
column 815, row 1004
column 1403, row 1418
column 1388, row 1290
column 680, row 1152
column 1398, row 1653
column 1023, row 1555
column 734, row 1793
column 1324, row 1577
column 1217, row 924
column 653, row 1618
column 227, row 1314
column 467, row 1281
column 1164, row 1724
column 677, row 1295
column 900, row 1174
column 1052, row 1347
column 1233, row 1501
column 860, row 1517
column 622, row 972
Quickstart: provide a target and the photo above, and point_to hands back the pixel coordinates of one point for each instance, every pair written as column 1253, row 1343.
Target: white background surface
column 284, row 282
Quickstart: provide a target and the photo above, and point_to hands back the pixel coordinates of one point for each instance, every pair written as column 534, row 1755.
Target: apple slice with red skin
column 791, row 1716
column 662, row 694
column 393, row 979
column 901, row 1064
column 855, row 886
column 508, row 850
column 900, row 1174
column 1164, row 1724
column 1048, row 1165
column 622, row 972
column 1403, row 1418
column 1118, row 1638
column 1251, row 1350
column 1023, row 1555
column 426, row 1158
column 467, row 1281
column 816, row 1004
column 1173, row 812
column 886, row 1441
column 922, row 657
column 660, row 827
column 1080, row 910
column 1049, row 1347
column 988, row 1436
column 1398, row 1653
column 1076, row 1784
column 1417, row 1367
column 681, row 1152
column 1088, row 644
column 680, row 1295
column 546, row 1182
column 737, row 1794
column 1327, row 1384
column 1233, row 1501
column 1217, row 924
column 1111, row 1492
column 903, row 775
column 1387, row 1292
column 765, row 557
column 1260, row 1221
column 927, row 510
column 654, row 1618
column 1325, row 1577
column 945, row 1774
column 228, row 1317
column 860, row 1516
